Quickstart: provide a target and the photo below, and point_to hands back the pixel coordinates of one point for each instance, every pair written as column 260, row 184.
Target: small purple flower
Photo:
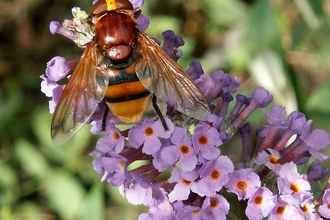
column 324, row 208
column 182, row 187
column 243, row 183
column 276, row 117
column 181, row 150
column 136, row 194
column 147, row 133
column 206, row 140
column 171, row 44
column 57, row 68
column 115, row 168
column 213, row 176
column 137, row 4
column 316, row 172
column 286, row 207
column 262, row 97
column 143, row 22
column 290, row 181
column 207, row 85
column 216, row 206
column 195, row 70
column 113, row 140
column 260, row 204
column 315, row 140
column 190, row 212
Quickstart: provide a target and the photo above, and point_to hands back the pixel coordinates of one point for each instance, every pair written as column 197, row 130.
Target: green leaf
column 263, row 29
column 29, row 211
column 320, row 99
column 32, row 161
column 231, row 11
column 65, row 193
column 66, row 152
column 93, row 207
column 8, row 184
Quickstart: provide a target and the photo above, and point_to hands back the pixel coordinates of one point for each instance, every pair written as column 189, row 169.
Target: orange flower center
column 203, row 140
column 241, row 185
column 116, row 136
column 215, row 174
column 184, row 149
column 149, row 131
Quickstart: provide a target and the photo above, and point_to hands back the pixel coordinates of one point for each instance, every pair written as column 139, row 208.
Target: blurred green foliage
column 282, row 45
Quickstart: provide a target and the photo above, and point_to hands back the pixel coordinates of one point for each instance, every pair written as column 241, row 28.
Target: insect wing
column 80, row 98
column 169, row 81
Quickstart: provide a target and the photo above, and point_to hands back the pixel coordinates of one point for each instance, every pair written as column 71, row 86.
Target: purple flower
column 181, row 150
column 113, row 140
column 147, row 133
column 206, row 141
column 190, row 212
column 216, row 207
column 137, row 4
column 286, row 207
column 143, row 22
column 262, row 97
column 290, row 181
column 315, row 140
column 213, row 176
column 316, row 172
column 114, row 167
column 57, row 68
column 195, row 70
column 243, row 183
column 276, row 117
column 324, row 207
column 171, row 44
column 136, row 194
column 260, row 204
column 182, row 189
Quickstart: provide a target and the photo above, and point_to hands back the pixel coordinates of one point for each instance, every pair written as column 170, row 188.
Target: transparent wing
column 169, row 82
column 80, row 98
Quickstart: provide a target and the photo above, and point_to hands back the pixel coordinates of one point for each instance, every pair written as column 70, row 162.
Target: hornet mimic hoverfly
column 122, row 66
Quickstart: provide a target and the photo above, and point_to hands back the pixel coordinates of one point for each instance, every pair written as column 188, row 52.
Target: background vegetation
column 282, row 45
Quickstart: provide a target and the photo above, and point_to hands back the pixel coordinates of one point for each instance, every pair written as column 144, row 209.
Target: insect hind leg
column 105, row 114
column 154, row 103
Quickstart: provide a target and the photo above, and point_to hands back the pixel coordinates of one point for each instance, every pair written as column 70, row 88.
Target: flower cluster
column 200, row 182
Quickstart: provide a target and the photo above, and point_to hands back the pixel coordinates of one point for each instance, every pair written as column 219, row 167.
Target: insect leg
column 154, row 103
column 105, row 114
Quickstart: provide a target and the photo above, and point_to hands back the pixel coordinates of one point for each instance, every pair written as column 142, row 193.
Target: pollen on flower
column 184, row 149
column 294, row 188
column 203, row 140
column 305, row 208
column 273, row 159
column 116, row 136
column 121, row 164
column 149, row 131
column 213, row 203
column 186, row 182
column 215, row 174
column 242, row 185
column 258, row 200
column 280, row 210
column 196, row 212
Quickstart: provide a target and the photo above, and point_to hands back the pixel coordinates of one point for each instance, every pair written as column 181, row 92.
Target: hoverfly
column 122, row 66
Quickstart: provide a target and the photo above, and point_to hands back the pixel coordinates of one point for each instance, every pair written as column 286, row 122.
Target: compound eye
column 98, row 8
column 124, row 4
column 101, row 6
